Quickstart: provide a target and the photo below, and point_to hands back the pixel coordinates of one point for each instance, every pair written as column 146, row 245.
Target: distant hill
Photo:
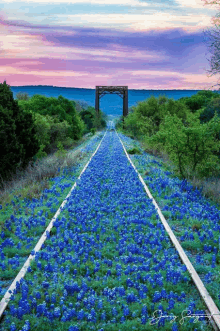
column 109, row 103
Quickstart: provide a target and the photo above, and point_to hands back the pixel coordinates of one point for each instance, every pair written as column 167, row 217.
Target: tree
column 17, row 133
column 60, row 108
column 92, row 119
column 22, row 96
column 199, row 100
column 135, row 127
column 88, row 118
column 80, row 105
column 214, row 45
column 10, row 147
column 215, row 20
column 214, row 40
column 191, row 146
column 148, row 114
column 210, row 110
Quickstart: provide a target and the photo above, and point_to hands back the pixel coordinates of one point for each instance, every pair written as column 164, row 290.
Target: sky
column 142, row 44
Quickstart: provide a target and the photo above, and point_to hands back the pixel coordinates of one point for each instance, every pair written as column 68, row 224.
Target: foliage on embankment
column 187, row 131
column 31, row 128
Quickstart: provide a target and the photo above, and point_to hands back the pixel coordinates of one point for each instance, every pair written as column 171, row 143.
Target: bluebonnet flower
column 74, row 328
column 81, row 314
column 72, row 288
column 53, row 297
column 183, row 295
column 143, row 319
column 129, row 282
column 163, row 293
column 157, row 296
column 213, row 260
column 123, row 319
column 79, row 242
column 161, row 322
column 160, row 307
column 13, row 327
column 198, row 259
column 93, row 312
column 26, row 326
column 114, row 311
column 171, row 304
column 103, row 316
column 131, row 297
column 100, row 304
column 144, row 311
column 175, row 327
column 41, row 309
column 126, row 311
column 208, row 277
column 191, row 236
column 45, row 284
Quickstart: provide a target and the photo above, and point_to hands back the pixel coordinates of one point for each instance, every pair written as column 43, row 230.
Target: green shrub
column 134, row 150
column 119, row 123
column 68, row 142
column 61, row 151
column 209, row 111
column 148, row 115
column 59, row 131
column 198, row 100
column 93, row 131
column 88, row 118
column 50, row 131
column 22, row 96
column 43, row 125
column 80, row 105
column 190, row 145
column 92, row 119
column 135, row 126
column 60, row 108
column 41, row 153
column 176, row 107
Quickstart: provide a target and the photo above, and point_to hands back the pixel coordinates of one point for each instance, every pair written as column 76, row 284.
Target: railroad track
column 213, row 311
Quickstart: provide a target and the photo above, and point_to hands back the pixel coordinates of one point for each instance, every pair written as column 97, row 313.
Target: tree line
column 30, row 128
column 187, row 130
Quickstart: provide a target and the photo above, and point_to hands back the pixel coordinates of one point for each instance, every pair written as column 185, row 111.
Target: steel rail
column 213, row 309
column 5, row 300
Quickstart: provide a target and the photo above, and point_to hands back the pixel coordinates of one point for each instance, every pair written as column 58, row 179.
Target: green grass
column 30, row 182
column 134, row 150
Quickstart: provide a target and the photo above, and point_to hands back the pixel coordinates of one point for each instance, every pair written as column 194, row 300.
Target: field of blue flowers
column 22, row 222
column 194, row 219
column 108, row 264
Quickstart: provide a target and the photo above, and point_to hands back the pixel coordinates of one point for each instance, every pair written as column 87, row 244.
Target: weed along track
column 109, row 262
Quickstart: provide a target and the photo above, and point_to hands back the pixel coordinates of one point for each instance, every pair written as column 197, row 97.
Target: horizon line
column 88, row 88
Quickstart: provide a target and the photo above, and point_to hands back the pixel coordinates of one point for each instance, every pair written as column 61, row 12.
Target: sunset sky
column 144, row 44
